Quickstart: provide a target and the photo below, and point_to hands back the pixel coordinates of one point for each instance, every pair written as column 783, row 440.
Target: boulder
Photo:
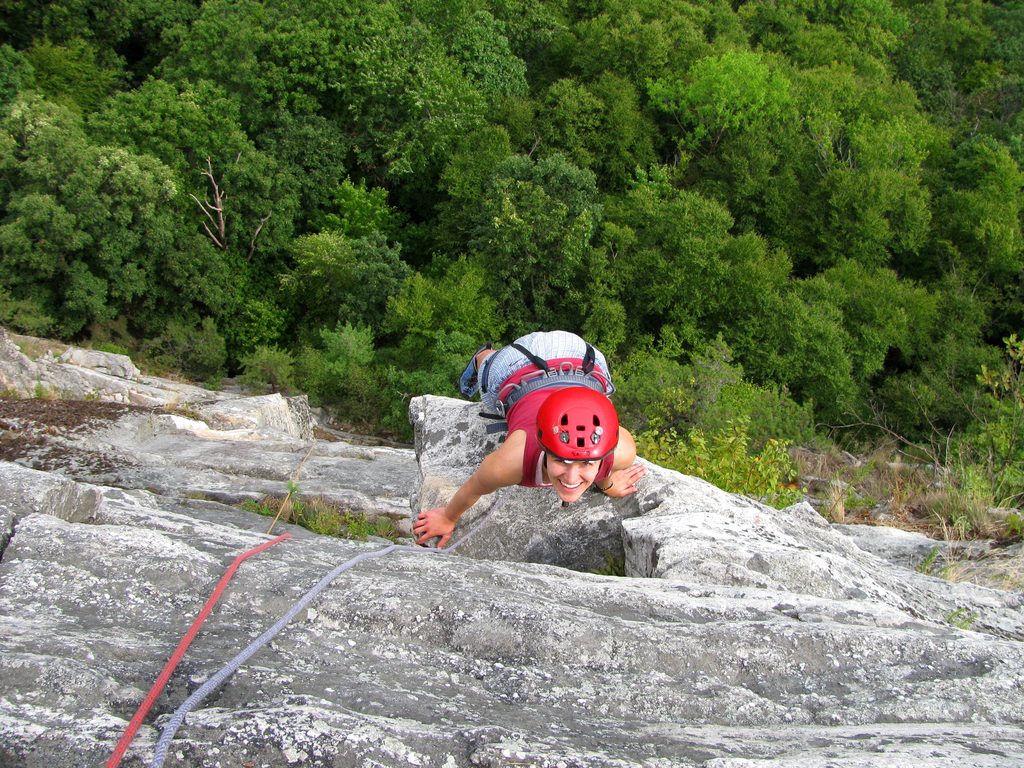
column 112, row 364
column 80, row 374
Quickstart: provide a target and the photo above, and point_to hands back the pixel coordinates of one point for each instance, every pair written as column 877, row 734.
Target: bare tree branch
column 252, row 243
column 213, row 211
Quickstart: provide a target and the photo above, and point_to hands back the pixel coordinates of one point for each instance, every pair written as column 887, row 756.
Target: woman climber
column 563, row 431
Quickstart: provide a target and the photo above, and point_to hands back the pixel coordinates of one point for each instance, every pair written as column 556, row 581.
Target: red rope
column 186, row 641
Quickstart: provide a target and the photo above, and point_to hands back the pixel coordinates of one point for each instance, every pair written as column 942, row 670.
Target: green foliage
column 251, row 322
column 16, row 73
column 532, row 234
column 724, row 459
column 427, row 310
column 996, row 437
column 600, row 128
column 732, row 92
column 341, row 373
column 483, row 48
column 613, row 566
column 961, row 618
column 980, row 212
column 928, row 562
column 708, row 394
column 70, row 74
column 24, row 315
column 338, row 278
column 324, row 518
column 198, row 351
column 87, row 228
column 268, row 368
column 360, row 212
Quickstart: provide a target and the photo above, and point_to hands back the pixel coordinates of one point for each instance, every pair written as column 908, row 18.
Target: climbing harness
column 178, row 717
column 542, row 374
column 179, row 652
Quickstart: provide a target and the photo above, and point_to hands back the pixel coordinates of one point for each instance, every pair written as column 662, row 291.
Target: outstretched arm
column 499, row 469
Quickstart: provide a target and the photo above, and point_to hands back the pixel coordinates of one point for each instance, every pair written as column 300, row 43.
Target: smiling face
column 570, row 479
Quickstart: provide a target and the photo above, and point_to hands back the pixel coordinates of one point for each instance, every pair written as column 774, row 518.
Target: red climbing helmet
column 578, row 424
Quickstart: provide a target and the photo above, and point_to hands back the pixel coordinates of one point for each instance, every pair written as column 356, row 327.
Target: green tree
column 357, row 211
column 86, row 228
column 481, row 44
column 338, row 279
column 392, row 86
column 979, row 214
column 71, row 74
column 532, row 232
column 665, row 249
column 732, row 92
column 600, row 128
column 239, row 197
column 133, row 32
column 16, row 74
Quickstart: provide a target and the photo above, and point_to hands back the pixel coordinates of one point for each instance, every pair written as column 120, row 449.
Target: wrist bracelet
column 605, row 489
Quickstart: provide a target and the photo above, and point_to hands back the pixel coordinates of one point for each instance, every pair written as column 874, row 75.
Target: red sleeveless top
column 524, row 416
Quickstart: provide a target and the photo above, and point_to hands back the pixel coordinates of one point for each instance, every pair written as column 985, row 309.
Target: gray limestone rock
column 436, row 659
column 171, row 454
column 82, row 374
column 120, row 366
column 743, row 635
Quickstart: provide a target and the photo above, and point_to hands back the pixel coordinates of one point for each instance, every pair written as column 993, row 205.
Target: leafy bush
column 708, row 394
column 724, row 458
column 25, row 315
column 343, row 375
column 197, row 352
column 998, row 434
column 271, row 367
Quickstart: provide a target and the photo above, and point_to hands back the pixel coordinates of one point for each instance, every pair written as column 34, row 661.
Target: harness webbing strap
column 540, row 362
column 589, row 357
column 186, row 641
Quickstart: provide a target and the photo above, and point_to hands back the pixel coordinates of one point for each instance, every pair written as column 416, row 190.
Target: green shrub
column 197, row 351
column 708, row 394
column 24, row 315
column 725, row 459
column 342, row 374
column 997, row 437
column 268, row 367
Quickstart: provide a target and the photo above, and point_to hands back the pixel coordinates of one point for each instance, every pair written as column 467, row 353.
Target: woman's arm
column 499, row 469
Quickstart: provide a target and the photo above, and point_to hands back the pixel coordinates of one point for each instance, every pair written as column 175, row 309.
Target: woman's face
column 570, row 478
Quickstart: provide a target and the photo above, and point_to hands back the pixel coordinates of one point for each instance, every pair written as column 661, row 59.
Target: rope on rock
column 176, row 719
column 186, row 641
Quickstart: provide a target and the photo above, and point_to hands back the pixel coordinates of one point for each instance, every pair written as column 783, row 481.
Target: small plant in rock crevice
column 323, row 517
column 927, row 564
column 613, row 566
column 961, row 618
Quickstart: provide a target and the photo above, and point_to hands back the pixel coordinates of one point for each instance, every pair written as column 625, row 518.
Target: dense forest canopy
column 801, row 212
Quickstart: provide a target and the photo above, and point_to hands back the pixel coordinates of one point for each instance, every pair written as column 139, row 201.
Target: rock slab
column 743, row 636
